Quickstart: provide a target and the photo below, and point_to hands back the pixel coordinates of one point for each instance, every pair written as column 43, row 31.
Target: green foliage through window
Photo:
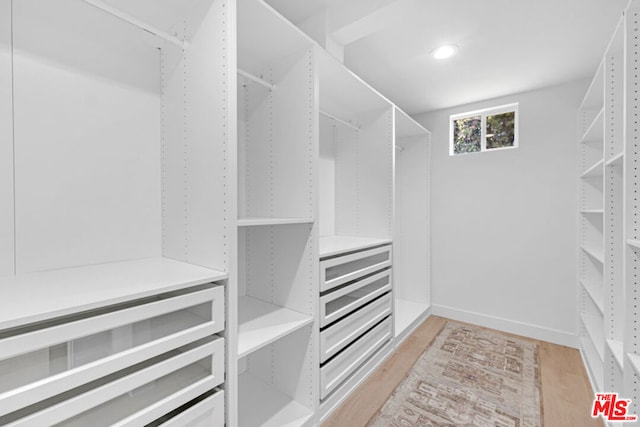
column 501, row 130
column 483, row 130
column 467, row 134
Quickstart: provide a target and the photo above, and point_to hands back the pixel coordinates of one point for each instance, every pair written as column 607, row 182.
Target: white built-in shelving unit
column 356, row 188
column 116, row 214
column 276, row 354
column 609, row 212
column 411, row 269
column 628, row 300
column 178, row 175
column 591, row 131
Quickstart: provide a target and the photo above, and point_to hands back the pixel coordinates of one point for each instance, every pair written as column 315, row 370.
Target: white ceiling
column 505, row 46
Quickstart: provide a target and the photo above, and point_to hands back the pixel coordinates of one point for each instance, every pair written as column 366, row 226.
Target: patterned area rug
column 468, row 377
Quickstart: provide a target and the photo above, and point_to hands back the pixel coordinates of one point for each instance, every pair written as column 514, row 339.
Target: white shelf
column 40, row 296
column 594, row 171
column 406, row 312
column 595, row 292
column 595, row 329
column 635, row 362
column 592, row 211
column 617, row 349
column 260, row 221
column 634, row 243
column 594, row 98
column 598, row 256
column 261, row 323
column 616, row 160
column 262, row 405
column 594, row 364
column 595, row 131
column 336, row 245
column 127, row 404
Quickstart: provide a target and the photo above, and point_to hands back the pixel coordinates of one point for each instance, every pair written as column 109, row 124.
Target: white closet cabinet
column 631, row 291
column 198, row 223
column 591, row 264
column 276, row 352
column 356, row 227
column 411, row 234
column 116, row 213
column 609, row 217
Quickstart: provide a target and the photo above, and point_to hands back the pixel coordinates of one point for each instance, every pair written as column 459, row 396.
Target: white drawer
column 334, row 372
column 136, row 396
column 342, row 333
column 207, row 413
column 49, row 359
column 343, row 301
column 336, row 271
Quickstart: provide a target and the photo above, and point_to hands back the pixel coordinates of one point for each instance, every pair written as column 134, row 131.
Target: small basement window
column 484, row 130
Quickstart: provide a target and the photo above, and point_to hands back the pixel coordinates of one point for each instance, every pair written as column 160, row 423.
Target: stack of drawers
column 355, row 312
column 151, row 361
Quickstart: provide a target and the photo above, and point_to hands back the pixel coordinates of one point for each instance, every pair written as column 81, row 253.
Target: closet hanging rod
column 256, row 79
column 339, row 120
column 99, row 4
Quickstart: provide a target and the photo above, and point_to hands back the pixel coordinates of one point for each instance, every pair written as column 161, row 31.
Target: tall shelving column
column 632, row 209
column 591, row 263
column 411, row 232
column 122, row 209
column 613, row 212
column 274, row 360
column 356, row 227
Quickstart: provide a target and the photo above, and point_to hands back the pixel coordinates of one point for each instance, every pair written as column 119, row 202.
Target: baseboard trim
column 513, row 327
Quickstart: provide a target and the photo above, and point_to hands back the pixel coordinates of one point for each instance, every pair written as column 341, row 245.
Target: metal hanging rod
column 339, row 120
column 138, row 23
column 256, row 79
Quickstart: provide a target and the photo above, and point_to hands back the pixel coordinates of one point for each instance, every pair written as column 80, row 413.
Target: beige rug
column 468, row 377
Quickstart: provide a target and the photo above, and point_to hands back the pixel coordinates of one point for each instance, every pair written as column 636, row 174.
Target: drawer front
column 337, row 271
column 342, row 333
column 138, row 397
column 334, row 372
column 345, row 300
column 208, row 413
column 68, row 355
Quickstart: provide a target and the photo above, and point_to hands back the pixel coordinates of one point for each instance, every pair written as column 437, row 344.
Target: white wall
column 504, row 224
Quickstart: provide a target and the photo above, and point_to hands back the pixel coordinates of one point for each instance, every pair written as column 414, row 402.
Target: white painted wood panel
column 295, row 135
column 289, row 366
column 411, row 232
column 209, row 140
column 87, row 144
column 375, row 176
column 327, row 178
column 261, row 405
column 6, row 143
column 347, row 158
column 280, row 266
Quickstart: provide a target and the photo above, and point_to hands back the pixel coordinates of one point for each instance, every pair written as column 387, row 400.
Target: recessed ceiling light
column 444, row 52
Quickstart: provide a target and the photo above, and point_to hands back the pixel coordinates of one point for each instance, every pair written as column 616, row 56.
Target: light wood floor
column 566, row 391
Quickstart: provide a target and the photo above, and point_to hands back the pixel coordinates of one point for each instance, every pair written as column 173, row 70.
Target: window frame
column 483, row 113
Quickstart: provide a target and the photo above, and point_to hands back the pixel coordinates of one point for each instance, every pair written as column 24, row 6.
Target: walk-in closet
column 251, row 213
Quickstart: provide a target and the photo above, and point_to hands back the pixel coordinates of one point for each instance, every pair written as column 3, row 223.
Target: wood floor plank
column 566, row 391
